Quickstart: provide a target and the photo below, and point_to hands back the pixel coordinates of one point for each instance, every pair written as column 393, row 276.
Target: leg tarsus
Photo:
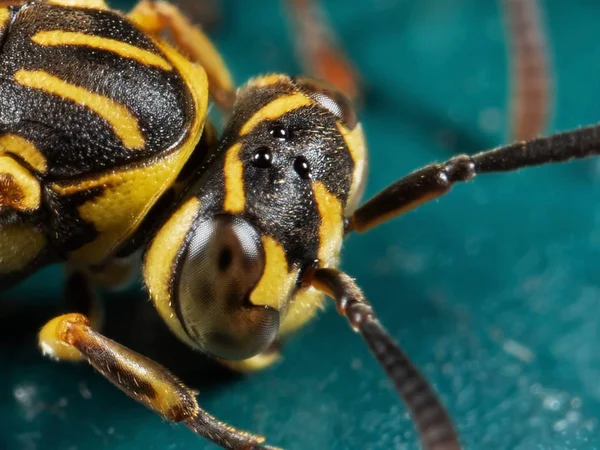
column 71, row 337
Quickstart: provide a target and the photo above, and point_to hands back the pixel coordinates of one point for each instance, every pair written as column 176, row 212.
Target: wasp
column 107, row 151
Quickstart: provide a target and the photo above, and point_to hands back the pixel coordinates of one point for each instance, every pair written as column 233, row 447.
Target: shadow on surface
column 131, row 322
column 401, row 107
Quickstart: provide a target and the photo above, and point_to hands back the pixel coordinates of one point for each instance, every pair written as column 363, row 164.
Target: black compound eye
column 279, row 132
column 302, row 167
column 262, row 158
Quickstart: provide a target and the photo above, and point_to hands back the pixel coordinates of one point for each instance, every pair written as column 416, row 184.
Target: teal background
column 494, row 290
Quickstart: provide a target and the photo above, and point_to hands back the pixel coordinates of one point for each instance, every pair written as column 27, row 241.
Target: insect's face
column 289, row 170
column 223, row 261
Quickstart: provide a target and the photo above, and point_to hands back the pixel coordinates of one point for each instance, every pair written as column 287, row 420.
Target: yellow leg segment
column 156, row 17
column 70, row 337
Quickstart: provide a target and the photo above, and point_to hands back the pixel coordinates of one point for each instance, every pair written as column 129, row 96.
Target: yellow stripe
column 275, row 109
column 235, row 197
column 4, row 17
column 124, row 124
column 136, row 189
column 355, row 141
column 267, row 80
column 58, row 37
column 16, row 145
column 276, row 283
column 94, row 4
column 303, row 307
column 331, row 231
column 159, row 261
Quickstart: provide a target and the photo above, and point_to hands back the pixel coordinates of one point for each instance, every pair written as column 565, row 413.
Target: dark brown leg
column 531, row 82
column 431, row 419
column 70, row 337
column 80, row 296
column 435, row 180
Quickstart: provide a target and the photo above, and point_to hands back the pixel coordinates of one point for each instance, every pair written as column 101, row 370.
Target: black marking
column 225, row 259
column 280, row 201
column 73, row 139
column 69, row 231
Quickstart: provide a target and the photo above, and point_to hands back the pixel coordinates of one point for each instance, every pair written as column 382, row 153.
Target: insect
column 209, row 219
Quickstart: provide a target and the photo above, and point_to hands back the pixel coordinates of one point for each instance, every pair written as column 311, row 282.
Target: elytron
column 107, row 151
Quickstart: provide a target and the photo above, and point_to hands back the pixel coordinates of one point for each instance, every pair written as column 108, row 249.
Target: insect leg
column 318, row 48
column 531, row 79
column 431, row 419
column 156, row 17
column 435, row 180
column 70, row 337
column 80, row 296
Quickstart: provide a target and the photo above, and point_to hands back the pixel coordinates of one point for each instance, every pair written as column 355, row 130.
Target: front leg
column 430, row 416
column 70, row 337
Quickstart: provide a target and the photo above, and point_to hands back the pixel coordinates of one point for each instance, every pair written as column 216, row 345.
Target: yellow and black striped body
column 101, row 154
column 291, row 166
column 97, row 119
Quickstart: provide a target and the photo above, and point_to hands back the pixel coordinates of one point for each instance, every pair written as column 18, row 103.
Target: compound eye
column 222, row 263
column 330, row 98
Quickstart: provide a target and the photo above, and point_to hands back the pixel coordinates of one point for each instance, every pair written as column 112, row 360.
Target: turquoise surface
column 494, row 290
